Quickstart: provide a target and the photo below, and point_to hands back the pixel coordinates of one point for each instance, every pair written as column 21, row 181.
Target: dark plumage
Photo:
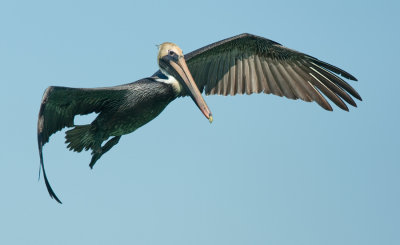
column 250, row 64
column 237, row 65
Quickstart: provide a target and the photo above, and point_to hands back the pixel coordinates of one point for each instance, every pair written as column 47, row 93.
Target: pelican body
column 241, row 64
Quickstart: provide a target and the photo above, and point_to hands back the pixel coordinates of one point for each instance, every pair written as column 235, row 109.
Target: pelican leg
column 96, row 154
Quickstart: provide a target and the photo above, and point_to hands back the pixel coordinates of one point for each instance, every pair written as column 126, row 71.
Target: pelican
column 241, row 64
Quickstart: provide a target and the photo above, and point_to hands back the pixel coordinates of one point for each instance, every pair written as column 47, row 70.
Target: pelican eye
column 171, row 53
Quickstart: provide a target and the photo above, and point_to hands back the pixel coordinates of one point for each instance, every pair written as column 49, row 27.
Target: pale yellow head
column 165, row 48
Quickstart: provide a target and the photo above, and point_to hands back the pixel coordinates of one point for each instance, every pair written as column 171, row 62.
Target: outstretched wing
column 59, row 107
column 250, row 64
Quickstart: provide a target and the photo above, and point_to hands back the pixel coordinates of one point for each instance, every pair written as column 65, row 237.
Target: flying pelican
column 241, row 64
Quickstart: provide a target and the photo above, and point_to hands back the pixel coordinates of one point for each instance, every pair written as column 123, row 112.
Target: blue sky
column 267, row 171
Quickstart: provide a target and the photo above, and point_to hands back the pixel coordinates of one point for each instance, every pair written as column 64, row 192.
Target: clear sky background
column 268, row 170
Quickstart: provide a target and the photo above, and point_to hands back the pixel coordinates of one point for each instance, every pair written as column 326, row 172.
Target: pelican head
column 172, row 63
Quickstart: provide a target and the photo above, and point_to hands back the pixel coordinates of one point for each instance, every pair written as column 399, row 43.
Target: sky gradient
column 268, row 170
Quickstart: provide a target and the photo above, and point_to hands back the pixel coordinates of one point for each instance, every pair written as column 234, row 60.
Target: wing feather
column 340, row 82
column 301, row 82
column 220, row 74
column 225, row 76
column 253, row 88
column 261, row 77
column 247, row 78
column 239, row 76
column 270, row 78
column 283, row 83
column 314, row 93
column 334, row 87
column 331, row 95
column 212, row 75
column 232, row 74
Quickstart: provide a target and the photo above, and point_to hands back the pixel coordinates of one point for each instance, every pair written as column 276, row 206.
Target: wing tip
column 328, row 107
column 46, row 181
column 353, row 78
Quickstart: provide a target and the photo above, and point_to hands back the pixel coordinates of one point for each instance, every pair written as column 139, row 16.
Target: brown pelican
column 241, row 64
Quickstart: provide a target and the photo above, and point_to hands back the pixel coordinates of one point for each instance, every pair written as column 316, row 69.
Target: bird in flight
column 241, row 64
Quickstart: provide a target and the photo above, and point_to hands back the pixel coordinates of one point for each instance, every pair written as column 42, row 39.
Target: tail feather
column 79, row 138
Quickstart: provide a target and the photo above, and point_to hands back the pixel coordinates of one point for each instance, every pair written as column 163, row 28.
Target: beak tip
column 210, row 119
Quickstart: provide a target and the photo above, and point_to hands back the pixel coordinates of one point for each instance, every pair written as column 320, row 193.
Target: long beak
column 187, row 80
